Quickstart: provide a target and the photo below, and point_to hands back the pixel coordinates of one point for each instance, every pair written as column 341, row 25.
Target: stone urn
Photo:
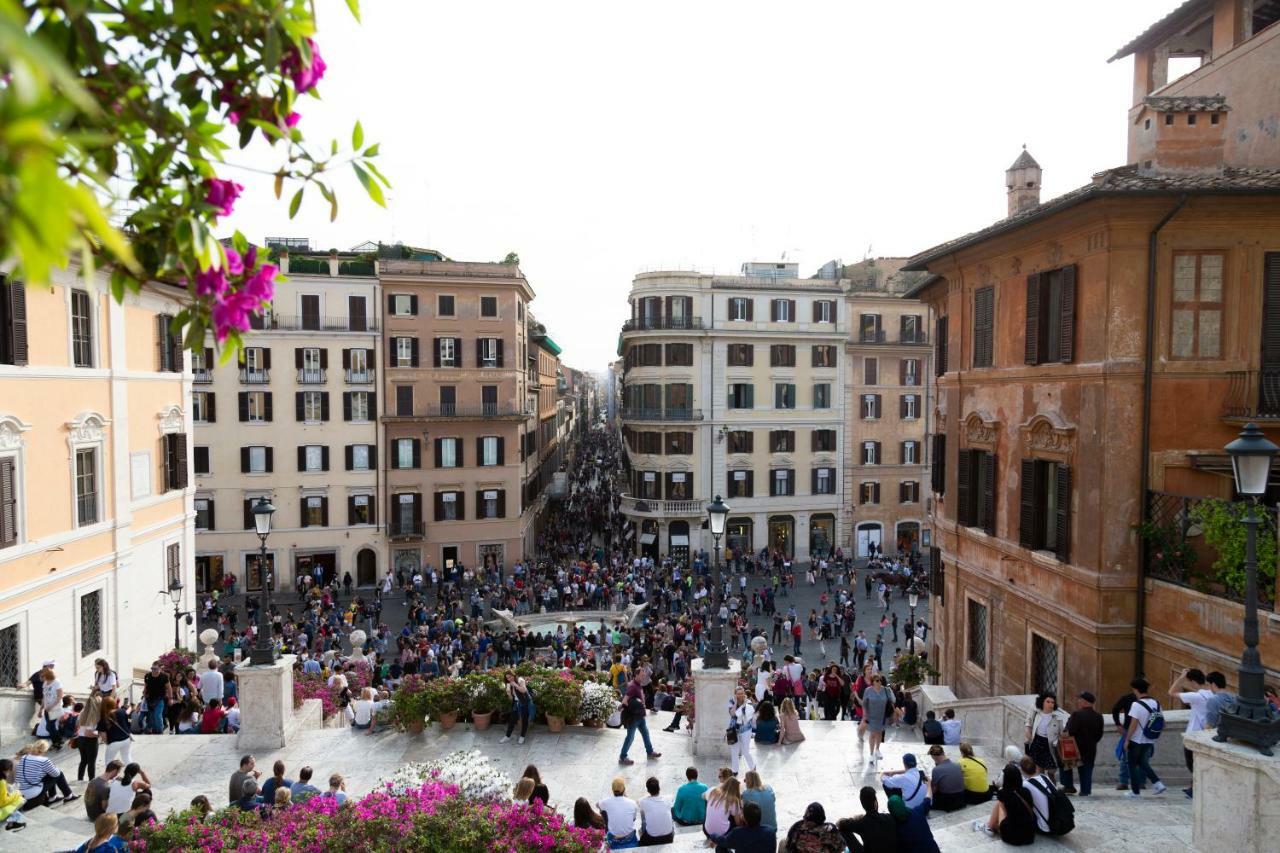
column 209, row 637
column 481, row 719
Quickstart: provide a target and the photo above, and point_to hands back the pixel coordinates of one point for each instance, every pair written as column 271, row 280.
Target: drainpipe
column 1144, row 464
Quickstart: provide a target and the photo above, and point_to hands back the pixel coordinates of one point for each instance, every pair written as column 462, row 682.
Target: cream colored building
column 733, row 386
column 95, row 484
column 295, row 419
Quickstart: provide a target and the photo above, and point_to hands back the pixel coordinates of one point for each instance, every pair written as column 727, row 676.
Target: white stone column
column 712, row 691
column 266, row 704
column 1235, row 807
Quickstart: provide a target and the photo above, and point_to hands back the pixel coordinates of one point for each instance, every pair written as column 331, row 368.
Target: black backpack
column 1062, row 814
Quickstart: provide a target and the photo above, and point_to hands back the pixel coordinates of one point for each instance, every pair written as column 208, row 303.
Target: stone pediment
column 980, row 429
column 1048, row 434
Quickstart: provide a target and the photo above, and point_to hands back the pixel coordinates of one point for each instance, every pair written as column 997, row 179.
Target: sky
column 599, row 140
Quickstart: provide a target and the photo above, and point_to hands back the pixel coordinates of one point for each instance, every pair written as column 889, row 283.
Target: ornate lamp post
column 717, row 656
column 175, row 595
column 264, row 650
column 1251, row 719
column 913, row 598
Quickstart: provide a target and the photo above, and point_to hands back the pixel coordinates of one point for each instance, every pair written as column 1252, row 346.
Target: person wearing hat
column 947, row 780
column 1085, row 725
column 909, row 782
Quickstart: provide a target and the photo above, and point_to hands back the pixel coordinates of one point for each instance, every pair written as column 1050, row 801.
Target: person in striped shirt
column 39, row 780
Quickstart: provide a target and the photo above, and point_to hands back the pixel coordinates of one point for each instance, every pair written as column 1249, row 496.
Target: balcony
column 481, row 410
column 360, row 377
column 648, row 324
column 404, row 530
column 662, row 509
column 202, row 376
column 878, row 338
column 254, row 377
column 682, row 415
column 311, row 377
column 1252, row 395
column 312, row 323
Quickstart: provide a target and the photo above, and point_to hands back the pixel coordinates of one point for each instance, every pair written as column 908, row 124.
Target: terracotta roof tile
column 1187, row 103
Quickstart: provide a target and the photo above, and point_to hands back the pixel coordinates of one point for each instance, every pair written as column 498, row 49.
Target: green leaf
column 354, row 6
column 370, row 185
column 271, row 48
column 372, row 150
column 357, row 136
column 297, row 202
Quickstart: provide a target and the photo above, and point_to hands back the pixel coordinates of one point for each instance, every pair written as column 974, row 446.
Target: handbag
column 1068, row 750
column 731, row 735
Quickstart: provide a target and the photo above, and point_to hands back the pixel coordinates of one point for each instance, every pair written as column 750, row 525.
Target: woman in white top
column 764, row 680
column 87, row 737
column 364, row 710
column 105, row 680
column 742, row 719
column 1043, row 729
column 123, row 788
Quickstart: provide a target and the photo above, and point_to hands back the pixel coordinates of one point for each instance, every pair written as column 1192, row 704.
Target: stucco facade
column 95, row 485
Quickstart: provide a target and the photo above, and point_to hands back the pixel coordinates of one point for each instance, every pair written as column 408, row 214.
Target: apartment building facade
column 461, row 424
column 95, row 477
column 294, row 419
column 733, row 385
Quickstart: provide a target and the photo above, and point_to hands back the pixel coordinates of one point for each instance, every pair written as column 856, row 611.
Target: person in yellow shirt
column 618, row 676
column 11, row 798
column 977, row 784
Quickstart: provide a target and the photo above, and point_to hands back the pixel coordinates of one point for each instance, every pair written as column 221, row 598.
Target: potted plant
column 485, row 696
column 560, row 696
column 446, row 699
column 598, row 702
column 409, row 703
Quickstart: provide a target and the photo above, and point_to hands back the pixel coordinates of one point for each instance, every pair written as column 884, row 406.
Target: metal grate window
column 10, row 674
column 978, row 633
column 1044, row 660
column 87, row 486
column 90, row 623
column 173, row 564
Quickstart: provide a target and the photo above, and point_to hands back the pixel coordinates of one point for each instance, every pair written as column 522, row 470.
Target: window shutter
column 479, row 352
column 875, row 492
column 902, row 452
column 1031, row 346
column 212, row 522
column 751, row 309
column 324, row 512
column 435, row 352
column 244, row 406
column 480, row 450
column 266, row 359
column 902, row 406
column 373, row 405
column 210, row 407
column 391, row 303
column 324, row 457
column 668, row 306
column 791, row 310
column 17, row 296
column 351, row 510
column 266, row 405
column 8, row 503
column 817, row 310
column 902, row 371
column 502, row 450
column 346, row 359
column 940, row 344
column 271, row 465
column 1063, row 513
column 902, row 492
column 302, row 458
column 813, row 481
column 1027, row 514
column 208, row 358
column 324, row 405
column 244, row 460
column 964, row 488
column 180, row 457
column 988, row 467
column 348, row 457
column 439, row 452
column 502, row 503
column 373, row 456
column 417, row 453
column 297, row 358
column 324, row 359
column 299, row 407
column 480, row 500
column 248, row 514
column 413, row 305
column 773, row 310
column 878, row 411
column 1067, row 320
column 391, row 351
column 939, row 468
column 462, row 506
column 163, row 353
column 346, row 405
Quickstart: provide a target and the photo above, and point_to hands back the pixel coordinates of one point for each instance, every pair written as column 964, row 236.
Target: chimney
column 1023, row 182
column 1182, row 133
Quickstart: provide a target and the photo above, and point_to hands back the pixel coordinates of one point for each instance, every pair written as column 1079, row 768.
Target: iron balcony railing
column 254, row 377
column 312, row 323
column 311, row 377
column 398, row 529
column 1253, row 394
column 482, row 410
column 360, row 377
column 202, row 376
column 644, row 324
column 643, row 414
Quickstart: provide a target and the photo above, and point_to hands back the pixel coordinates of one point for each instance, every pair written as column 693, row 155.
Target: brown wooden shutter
column 244, row 460
column 324, row 512
column 1063, row 513
column 1031, row 343
column 751, row 309
column 940, row 343
column 1027, row 515
column 435, row 352
column 813, row 481
column 964, row 488
column 1067, row 318
column 271, row 465
column 180, row 457
column 870, row 371
column 266, row 406
column 302, row 458
column 162, row 344
column 902, row 371
column 988, row 468
column 875, row 492
column 248, row 513
column 773, row 310
column 8, row 503
column 439, row 452
column 938, row 472
column 879, row 410
column 17, row 296
column 297, row 358
column 324, row 406
column 346, row 359
column 817, row 310
column 348, row 457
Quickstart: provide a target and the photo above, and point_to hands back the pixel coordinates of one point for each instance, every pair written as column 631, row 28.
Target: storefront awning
column 648, row 538
column 679, row 541
column 631, row 531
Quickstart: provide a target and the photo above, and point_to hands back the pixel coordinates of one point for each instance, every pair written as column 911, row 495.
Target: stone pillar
column 1235, row 807
column 266, row 704
column 712, row 692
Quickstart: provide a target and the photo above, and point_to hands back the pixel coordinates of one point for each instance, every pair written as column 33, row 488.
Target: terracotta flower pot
column 481, row 720
column 416, row 726
column 554, row 723
column 448, row 720
column 593, row 724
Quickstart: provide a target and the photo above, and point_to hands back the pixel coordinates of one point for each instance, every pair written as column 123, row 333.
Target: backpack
column 1062, row 814
column 1155, row 722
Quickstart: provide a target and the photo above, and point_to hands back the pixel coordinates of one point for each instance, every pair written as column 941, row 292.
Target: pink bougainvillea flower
column 235, row 264
column 222, row 194
column 233, row 117
column 211, row 282
column 291, row 120
column 261, row 285
column 305, row 77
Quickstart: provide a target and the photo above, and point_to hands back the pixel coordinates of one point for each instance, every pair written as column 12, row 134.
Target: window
column 742, row 395
column 909, row 407
column 87, row 486
column 741, row 441
column 488, row 306
column 361, row 457
column 740, row 484
column 81, row 329
column 310, row 304
column 444, row 306
column 255, row 407
column 823, row 441
column 824, row 481
column 204, row 514
column 447, row 352
column 909, row 371
column 679, row 400
column 645, row 355
column 357, row 314
column 404, row 305
column 449, row 506
column 203, row 410
column 1044, row 521
column 168, row 344
column 311, row 363
column 680, row 355
column 784, row 395
column 174, row 453
column 679, row 486
column 910, row 453
column 741, row 355
column 740, row 308
column 870, row 406
column 255, row 362
column 255, row 460
column 977, row 634
column 782, row 441
column 938, row 470
column 869, row 371
column 870, row 453
column 940, row 342
column 8, row 503
column 824, row 311
column 490, row 450
column 1051, row 311
column 200, row 459
column 490, row 503
column 13, row 323
column 824, row 356
column 647, row 484
column 404, row 352
column 489, row 352
column 679, row 443
column 911, row 330
column 822, row 395
column 782, row 310
column 1044, row 663
column 10, row 673
column 1197, row 305
column 909, row 492
column 782, row 355
column 782, row 482
column 984, row 318
column 869, row 493
column 313, row 458
column 90, row 623
column 408, row 453
column 358, row 405
column 404, row 400
column 315, row 511
column 869, row 331
column 359, row 510
column 313, row 406
column 448, row 453
column 976, row 483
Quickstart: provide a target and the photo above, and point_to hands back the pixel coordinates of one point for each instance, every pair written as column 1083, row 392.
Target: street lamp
column 264, row 650
column 1251, row 719
column 913, row 598
column 717, row 656
column 175, row 595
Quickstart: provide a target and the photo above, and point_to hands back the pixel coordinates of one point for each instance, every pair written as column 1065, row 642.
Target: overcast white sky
column 602, row 139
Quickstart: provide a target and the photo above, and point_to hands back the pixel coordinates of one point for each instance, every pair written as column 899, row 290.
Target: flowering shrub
column 446, row 695
column 598, row 701
column 556, row 692
column 177, row 661
column 317, row 687
column 484, row 693
column 468, row 770
column 433, row 816
column 409, row 702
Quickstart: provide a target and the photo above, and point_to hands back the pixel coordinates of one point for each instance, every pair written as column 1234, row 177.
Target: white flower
column 468, row 769
column 598, row 701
